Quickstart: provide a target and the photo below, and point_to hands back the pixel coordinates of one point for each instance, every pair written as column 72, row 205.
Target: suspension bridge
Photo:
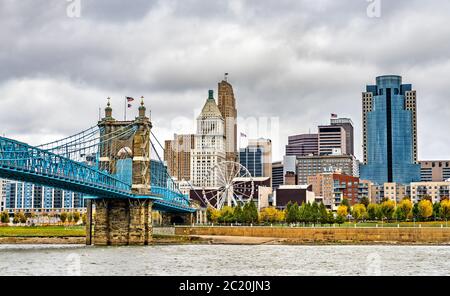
column 115, row 164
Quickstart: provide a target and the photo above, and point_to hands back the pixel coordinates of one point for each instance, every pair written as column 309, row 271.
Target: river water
column 224, row 260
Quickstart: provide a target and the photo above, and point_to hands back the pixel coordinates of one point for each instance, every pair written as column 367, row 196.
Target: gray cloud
column 298, row 60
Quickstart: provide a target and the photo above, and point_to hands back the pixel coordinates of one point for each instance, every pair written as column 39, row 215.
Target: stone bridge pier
column 124, row 221
column 121, row 222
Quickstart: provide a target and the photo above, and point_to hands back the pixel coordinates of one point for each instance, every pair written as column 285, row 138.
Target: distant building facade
column 390, row 132
column 257, row 157
column 227, row 107
column 313, row 165
column 209, row 145
column 434, row 170
column 177, row 155
column 332, row 138
column 347, row 125
column 293, row 193
column 277, row 174
column 28, row 198
column 303, row 145
column 437, row 191
column 334, row 187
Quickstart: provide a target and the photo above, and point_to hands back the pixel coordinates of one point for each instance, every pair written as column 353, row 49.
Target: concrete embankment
column 287, row 235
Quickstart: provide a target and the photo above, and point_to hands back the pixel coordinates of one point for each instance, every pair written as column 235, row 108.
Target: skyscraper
column 209, row 144
column 390, row 132
column 257, row 157
column 177, row 155
column 303, row 145
column 332, row 137
column 347, row 124
column 227, row 107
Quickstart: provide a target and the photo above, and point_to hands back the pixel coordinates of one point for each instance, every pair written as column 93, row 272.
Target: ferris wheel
column 227, row 184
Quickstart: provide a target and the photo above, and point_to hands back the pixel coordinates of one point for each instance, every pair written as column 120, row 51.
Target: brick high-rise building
column 227, row 106
column 177, row 155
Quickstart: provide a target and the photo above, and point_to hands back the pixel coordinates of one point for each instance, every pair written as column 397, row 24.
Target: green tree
column 388, row 209
column 365, row 201
column 238, row 214
column 415, row 212
column 63, row 217
column 226, row 215
column 84, row 218
column 323, row 214
column 292, row 213
column 372, row 211
column 250, row 213
column 70, row 217
column 436, row 210
column 425, row 209
column 315, row 212
column 359, row 212
column 330, row 219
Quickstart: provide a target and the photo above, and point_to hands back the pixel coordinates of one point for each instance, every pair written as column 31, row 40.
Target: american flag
column 334, row 115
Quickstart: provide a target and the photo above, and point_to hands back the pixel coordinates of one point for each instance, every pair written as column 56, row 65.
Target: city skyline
column 299, row 70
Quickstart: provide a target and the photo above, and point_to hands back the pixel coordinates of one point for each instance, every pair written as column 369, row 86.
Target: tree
column 76, row 217
column 372, row 211
column 359, row 212
column 330, row 219
column 415, row 211
column 63, row 217
column 212, row 215
column 238, row 214
column 5, row 217
column 342, row 211
column 250, row 213
column 315, row 212
column 436, row 210
column 445, row 209
column 425, row 209
column 365, row 201
column 84, row 218
column 404, row 209
column 292, row 213
column 388, row 209
column 226, row 215
column 269, row 215
column 346, row 203
column 323, row 214
column 70, row 217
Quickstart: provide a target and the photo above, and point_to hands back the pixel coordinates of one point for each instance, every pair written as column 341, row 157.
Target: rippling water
column 224, row 260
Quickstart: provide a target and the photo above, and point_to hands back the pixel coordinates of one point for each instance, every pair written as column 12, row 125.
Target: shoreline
column 214, row 240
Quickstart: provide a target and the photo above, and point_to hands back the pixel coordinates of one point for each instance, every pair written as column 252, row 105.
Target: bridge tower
column 126, row 155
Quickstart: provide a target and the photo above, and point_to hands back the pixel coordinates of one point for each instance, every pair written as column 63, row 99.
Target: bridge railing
column 23, row 157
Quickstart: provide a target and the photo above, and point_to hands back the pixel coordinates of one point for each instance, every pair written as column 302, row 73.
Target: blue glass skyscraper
column 390, row 132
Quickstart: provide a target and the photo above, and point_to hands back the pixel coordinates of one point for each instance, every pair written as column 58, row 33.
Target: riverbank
column 244, row 235
column 307, row 236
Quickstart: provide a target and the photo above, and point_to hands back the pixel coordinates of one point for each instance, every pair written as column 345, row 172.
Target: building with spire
column 209, row 144
column 227, row 107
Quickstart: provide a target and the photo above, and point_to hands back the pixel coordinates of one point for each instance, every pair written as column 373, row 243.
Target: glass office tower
column 390, row 132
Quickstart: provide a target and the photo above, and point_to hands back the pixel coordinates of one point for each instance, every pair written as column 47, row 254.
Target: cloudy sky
column 290, row 61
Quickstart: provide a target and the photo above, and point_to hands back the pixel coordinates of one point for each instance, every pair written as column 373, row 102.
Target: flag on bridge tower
column 333, row 115
column 130, row 99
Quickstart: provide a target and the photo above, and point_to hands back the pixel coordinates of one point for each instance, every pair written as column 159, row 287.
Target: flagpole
column 125, row 110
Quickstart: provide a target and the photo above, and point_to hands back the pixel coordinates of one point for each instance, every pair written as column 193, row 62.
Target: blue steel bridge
column 76, row 163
